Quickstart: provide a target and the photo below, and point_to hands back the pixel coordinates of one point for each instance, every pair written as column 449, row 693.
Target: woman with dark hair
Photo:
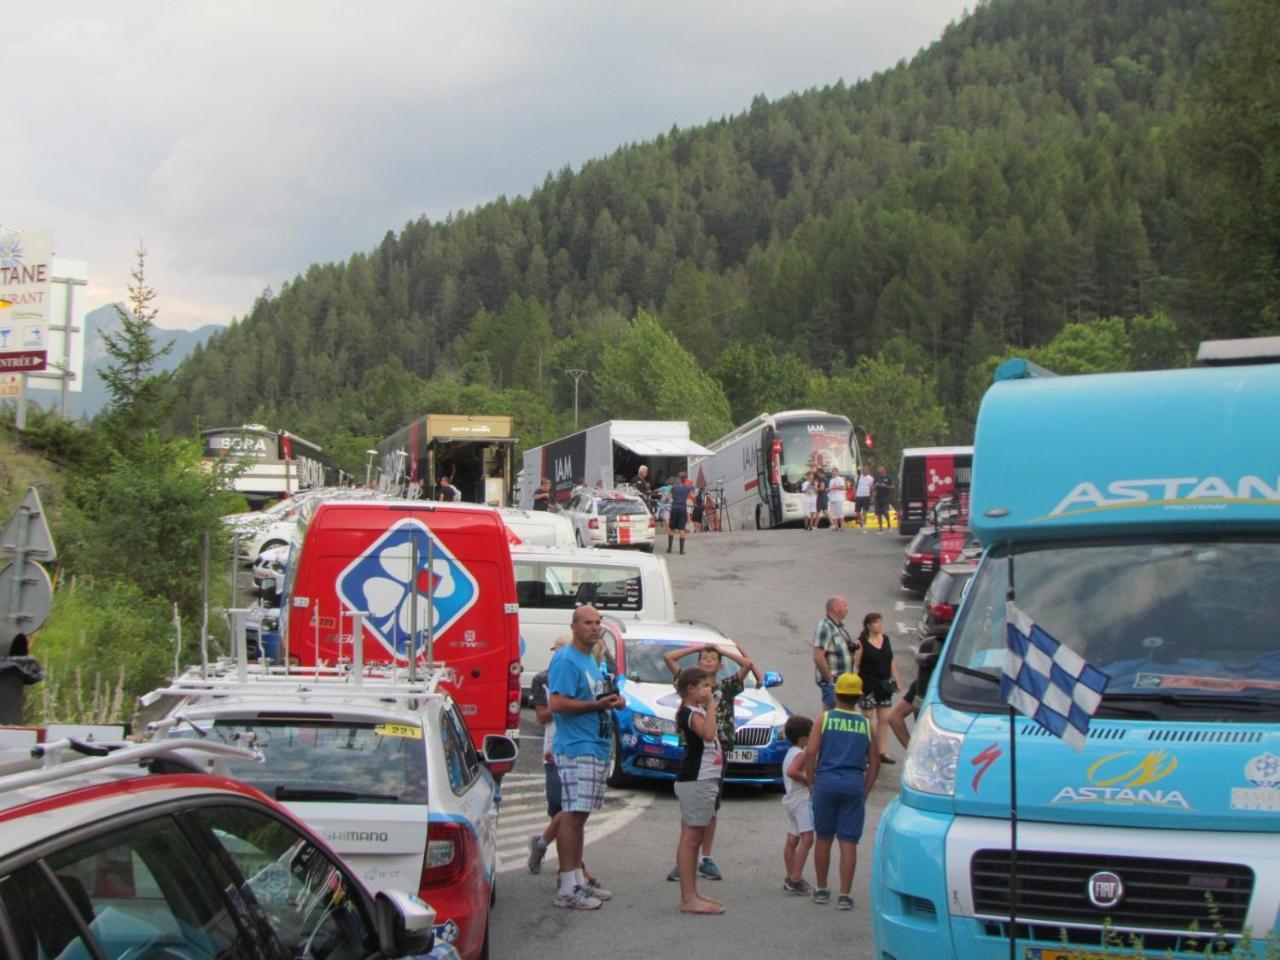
column 880, row 679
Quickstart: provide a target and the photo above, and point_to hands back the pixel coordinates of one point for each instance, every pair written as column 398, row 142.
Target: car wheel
column 617, row 777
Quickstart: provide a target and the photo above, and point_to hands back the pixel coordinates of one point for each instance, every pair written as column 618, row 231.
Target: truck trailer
column 474, row 451
column 608, row 453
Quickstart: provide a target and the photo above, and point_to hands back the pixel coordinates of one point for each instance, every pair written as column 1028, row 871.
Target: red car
column 930, row 549
column 100, row 859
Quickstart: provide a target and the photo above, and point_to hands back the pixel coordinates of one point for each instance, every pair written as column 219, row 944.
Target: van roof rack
column 101, row 756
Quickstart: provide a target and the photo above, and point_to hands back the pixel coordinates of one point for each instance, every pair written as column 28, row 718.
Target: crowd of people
column 831, row 766
column 826, row 491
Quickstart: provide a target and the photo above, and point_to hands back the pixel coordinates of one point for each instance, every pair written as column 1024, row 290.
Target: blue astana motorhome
column 1142, row 513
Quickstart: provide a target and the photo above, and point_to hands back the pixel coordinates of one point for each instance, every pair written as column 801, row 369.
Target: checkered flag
column 1048, row 681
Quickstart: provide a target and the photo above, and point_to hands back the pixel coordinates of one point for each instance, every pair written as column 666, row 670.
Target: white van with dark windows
column 552, row 581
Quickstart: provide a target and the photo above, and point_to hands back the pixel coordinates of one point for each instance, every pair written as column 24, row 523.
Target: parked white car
column 538, row 527
column 613, row 519
column 383, row 769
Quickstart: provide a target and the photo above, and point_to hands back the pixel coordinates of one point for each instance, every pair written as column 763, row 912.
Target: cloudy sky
column 243, row 141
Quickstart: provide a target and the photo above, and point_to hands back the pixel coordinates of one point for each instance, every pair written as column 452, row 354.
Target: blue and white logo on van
column 381, row 582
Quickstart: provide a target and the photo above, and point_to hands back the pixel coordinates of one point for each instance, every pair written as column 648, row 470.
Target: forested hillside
column 866, row 245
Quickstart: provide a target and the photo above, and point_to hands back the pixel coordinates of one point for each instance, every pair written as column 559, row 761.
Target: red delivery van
column 352, row 556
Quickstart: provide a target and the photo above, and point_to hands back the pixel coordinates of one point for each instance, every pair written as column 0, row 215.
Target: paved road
column 765, row 589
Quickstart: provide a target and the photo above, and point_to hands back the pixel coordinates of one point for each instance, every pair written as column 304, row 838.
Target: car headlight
column 653, row 725
column 931, row 759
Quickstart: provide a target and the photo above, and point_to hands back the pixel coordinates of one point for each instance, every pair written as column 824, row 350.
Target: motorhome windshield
column 811, row 443
column 1185, row 628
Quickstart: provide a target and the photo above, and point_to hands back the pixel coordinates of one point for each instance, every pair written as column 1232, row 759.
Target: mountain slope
column 93, row 398
column 1015, row 175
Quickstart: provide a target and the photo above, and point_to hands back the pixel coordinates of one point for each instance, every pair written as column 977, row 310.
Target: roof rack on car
column 58, row 767
column 232, row 676
column 340, row 683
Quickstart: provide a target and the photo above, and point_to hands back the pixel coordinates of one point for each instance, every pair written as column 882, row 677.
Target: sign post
column 26, row 597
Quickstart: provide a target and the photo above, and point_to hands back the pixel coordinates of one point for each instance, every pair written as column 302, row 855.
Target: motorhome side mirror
column 499, row 748
column 406, row 925
column 772, row 678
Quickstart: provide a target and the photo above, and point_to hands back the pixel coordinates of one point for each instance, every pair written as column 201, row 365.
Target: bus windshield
column 812, row 442
column 1184, row 627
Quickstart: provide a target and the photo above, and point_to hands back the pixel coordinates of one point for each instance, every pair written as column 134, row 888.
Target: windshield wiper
column 328, row 793
column 970, row 672
column 995, row 678
column 1244, row 704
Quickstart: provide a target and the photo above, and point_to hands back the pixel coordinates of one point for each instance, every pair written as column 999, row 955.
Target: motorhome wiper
column 970, row 672
column 995, row 678
column 328, row 793
column 1243, row 704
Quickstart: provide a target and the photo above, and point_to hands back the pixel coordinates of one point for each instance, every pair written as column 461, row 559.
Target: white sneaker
column 593, row 889
column 578, row 900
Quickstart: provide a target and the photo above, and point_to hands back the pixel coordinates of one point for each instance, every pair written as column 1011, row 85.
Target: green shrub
column 104, row 645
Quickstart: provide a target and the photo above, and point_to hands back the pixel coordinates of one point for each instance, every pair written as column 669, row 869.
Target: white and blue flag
column 1048, row 681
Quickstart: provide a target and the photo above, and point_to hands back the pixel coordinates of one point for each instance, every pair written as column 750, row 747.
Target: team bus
column 760, row 466
column 925, row 476
column 265, row 465
column 1157, row 561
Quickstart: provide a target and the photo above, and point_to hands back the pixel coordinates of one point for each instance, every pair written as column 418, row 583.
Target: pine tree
column 141, row 397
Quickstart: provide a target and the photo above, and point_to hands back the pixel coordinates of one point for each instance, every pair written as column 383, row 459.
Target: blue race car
column 647, row 742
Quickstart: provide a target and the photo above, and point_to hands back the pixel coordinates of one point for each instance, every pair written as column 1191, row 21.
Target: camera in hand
column 607, row 689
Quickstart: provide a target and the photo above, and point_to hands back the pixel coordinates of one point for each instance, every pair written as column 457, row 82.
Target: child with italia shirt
column 697, row 782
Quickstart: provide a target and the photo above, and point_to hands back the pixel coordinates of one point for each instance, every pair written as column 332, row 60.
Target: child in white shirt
column 796, row 779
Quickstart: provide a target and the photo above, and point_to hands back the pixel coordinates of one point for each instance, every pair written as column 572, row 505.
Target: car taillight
column 942, row 611
column 919, row 557
column 513, row 688
column 446, row 856
column 593, row 523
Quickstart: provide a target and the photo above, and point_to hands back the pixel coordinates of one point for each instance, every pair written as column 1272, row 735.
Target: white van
column 539, row 527
column 552, row 581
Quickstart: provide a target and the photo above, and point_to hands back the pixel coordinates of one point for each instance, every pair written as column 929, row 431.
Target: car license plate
column 1053, row 953
column 742, row 756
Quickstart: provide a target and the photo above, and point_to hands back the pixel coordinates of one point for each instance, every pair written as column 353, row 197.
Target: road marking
column 524, row 813
column 903, row 628
column 900, row 605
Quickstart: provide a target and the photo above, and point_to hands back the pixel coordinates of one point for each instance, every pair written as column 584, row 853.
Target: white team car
column 537, row 527
column 384, row 770
column 611, row 519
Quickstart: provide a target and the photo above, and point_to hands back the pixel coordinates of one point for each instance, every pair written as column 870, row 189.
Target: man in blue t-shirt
column 584, row 735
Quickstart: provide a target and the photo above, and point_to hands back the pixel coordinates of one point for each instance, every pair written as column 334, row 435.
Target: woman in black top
column 880, row 679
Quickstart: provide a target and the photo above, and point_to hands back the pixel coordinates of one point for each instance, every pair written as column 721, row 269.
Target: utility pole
column 577, row 375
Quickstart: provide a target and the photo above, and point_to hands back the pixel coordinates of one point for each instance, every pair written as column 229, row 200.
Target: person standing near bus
column 862, row 497
column 820, row 485
column 835, row 499
column 883, row 490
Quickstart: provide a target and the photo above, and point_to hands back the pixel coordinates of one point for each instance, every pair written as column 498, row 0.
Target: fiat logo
column 1106, row 890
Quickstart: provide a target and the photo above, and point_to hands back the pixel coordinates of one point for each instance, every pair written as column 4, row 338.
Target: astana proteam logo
column 381, row 583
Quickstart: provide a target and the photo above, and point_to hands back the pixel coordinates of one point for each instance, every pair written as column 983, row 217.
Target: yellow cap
column 849, row 685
